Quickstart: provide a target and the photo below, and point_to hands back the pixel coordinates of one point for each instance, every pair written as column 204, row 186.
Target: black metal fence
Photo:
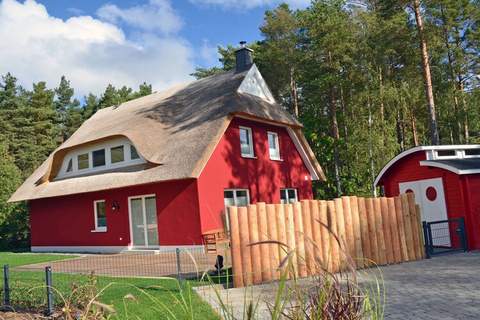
column 43, row 286
column 444, row 236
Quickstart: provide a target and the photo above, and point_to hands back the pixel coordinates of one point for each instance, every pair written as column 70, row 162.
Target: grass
column 131, row 298
column 14, row 259
column 137, row 298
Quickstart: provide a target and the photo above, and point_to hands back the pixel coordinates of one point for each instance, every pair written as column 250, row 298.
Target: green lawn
column 131, row 298
column 14, row 259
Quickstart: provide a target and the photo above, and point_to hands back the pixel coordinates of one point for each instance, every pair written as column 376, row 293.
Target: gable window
column 100, row 216
column 133, row 153
column 116, row 154
column 288, row 195
column 83, row 161
column 98, row 158
column 246, row 142
column 273, row 146
column 236, row 197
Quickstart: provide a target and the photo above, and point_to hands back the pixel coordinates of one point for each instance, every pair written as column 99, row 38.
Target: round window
column 431, row 193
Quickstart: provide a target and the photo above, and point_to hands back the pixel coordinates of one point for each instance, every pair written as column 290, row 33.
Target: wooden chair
column 213, row 238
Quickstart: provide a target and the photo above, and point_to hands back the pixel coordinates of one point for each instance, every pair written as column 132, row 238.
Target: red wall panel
column 263, row 177
column 68, row 220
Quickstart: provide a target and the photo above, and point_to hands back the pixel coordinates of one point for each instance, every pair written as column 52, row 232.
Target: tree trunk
column 294, row 92
column 413, row 122
column 456, row 107
column 336, row 138
column 370, row 147
column 427, row 76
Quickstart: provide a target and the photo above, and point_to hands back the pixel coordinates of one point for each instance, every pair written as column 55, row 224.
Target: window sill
column 248, row 156
column 277, row 159
column 99, row 230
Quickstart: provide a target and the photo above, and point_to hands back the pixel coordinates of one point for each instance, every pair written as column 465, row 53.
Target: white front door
column 143, row 221
column 429, row 195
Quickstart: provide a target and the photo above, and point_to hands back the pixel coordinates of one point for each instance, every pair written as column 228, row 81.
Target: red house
column 445, row 181
column 158, row 171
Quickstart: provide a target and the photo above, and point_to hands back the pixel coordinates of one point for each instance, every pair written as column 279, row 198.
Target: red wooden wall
column 263, row 177
column 68, row 220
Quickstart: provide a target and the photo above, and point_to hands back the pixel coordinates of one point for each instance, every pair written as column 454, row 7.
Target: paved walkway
column 444, row 287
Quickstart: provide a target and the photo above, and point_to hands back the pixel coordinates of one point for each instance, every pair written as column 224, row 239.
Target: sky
column 123, row 42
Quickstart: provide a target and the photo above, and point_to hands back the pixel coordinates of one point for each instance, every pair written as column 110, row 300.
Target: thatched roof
column 175, row 131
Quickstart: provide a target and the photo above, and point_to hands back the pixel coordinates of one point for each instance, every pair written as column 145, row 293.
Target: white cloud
column 157, row 15
column 250, row 4
column 91, row 53
column 209, row 53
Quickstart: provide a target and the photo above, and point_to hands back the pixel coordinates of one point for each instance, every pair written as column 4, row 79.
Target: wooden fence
column 323, row 235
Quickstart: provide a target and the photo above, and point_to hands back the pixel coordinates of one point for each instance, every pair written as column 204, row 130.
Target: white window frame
column 107, row 146
column 457, row 154
column 144, row 212
column 234, row 190
column 277, row 145
column 286, row 194
column 251, row 153
column 97, row 228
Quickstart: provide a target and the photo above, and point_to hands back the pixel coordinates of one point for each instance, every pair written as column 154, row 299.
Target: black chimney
column 243, row 57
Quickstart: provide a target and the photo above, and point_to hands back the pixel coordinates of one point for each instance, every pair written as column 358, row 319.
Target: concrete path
column 444, row 287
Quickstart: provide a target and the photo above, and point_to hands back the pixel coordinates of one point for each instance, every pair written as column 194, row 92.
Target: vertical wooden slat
column 342, row 243
column 281, row 230
column 349, row 236
column 334, row 264
column 308, row 236
column 290, row 225
column 357, row 233
column 414, row 222
column 386, row 230
column 420, row 230
column 255, row 248
column 401, row 228
column 408, row 227
column 372, row 231
column 325, row 234
column 235, row 247
column 300, row 240
column 397, row 255
column 264, row 248
column 244, row 241
column 273, row 235
column 382, row 254
column 363, row 219
column 317, row 234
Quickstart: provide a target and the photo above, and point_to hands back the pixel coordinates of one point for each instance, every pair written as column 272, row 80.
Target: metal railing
column 444, row 236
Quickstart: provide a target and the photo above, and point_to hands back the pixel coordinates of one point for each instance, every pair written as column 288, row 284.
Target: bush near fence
column 323, row 235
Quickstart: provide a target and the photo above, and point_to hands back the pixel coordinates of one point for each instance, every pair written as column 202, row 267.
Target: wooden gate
column 318, row 235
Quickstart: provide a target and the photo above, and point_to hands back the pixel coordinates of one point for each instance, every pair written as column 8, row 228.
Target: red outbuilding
column 446, row 183
column 158, row 171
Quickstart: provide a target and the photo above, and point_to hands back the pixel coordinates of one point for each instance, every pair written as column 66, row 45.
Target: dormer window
column 117, row 154
column 98, row 158
column 70, row 165
column 246, row 142
column 273, row 146
column 133, row 153
column 83, row 161
column 103, row 156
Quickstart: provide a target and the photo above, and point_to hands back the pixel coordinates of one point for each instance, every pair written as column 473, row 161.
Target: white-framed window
column 99, row 208
column 288, row 195
column 108, row 155
column 236, row 197
column 273, row 145
column 117, row 154
column 246, row 142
